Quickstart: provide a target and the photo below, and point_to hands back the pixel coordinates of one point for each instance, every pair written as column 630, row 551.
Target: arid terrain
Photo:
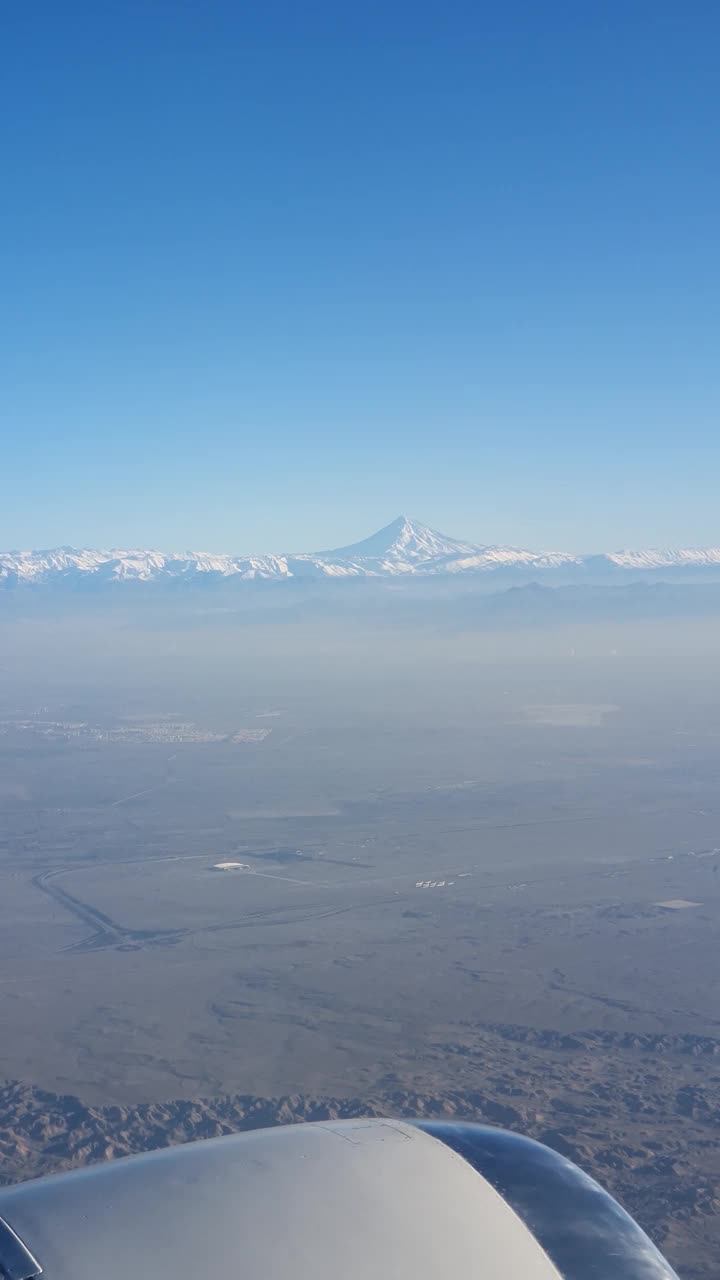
column 640, row 1113
column 470, row 887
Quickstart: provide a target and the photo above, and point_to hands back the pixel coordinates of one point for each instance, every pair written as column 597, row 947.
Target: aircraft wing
column 352, row 1200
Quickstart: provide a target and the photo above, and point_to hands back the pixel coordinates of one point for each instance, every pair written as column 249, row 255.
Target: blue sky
column 274, row 273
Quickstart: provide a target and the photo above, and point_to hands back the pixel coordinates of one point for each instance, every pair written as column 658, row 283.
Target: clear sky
column 275, row 272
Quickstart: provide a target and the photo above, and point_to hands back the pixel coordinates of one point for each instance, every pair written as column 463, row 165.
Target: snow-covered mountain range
column 403, row 548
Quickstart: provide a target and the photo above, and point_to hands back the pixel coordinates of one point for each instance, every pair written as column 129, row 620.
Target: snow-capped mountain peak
column 402, row 541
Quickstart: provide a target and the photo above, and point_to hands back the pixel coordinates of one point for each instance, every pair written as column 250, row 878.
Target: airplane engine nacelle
column 352, row 1200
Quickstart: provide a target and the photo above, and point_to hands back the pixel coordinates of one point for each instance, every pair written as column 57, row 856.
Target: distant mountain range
column 404, row 548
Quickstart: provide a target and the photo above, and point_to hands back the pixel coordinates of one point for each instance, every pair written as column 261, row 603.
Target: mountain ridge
column 402, row 548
